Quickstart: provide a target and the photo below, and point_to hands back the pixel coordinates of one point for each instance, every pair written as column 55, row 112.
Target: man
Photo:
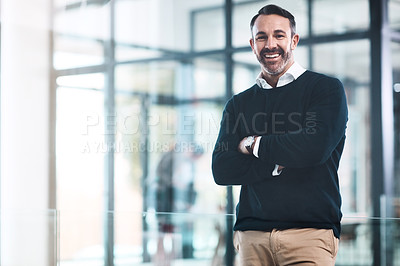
column 282, row 140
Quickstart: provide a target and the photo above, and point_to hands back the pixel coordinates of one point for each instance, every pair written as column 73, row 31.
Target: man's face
column 273, row 44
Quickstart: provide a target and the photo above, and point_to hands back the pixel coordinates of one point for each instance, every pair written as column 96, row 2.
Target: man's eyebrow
column 280, row 31
column 261, row 33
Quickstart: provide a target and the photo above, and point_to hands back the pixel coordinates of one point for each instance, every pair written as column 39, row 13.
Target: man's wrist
column 249, row 144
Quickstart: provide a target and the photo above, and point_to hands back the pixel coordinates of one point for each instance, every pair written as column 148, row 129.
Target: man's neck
column 273, row 79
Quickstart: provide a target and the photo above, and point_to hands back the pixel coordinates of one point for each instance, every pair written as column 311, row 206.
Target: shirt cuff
column 256, row 146
column 276, row 172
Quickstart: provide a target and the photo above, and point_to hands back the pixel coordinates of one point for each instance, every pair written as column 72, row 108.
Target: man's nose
column 270, row 43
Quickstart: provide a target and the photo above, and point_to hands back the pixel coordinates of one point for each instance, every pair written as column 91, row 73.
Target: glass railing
column 165, row 239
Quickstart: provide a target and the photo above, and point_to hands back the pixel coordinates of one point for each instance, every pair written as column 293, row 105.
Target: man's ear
column 295, row 41
column 252, row 43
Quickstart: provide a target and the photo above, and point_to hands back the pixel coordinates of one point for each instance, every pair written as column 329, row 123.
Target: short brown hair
column 275, row 10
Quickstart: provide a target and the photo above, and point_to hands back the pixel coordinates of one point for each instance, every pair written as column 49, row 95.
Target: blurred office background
column 110, row 110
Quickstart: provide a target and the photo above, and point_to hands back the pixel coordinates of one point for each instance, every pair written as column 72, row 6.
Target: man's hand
column 242, row 148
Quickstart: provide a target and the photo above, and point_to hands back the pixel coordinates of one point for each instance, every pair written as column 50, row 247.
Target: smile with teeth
column 271, row 55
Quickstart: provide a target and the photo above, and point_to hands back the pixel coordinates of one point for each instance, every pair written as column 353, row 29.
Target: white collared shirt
column 294, row 71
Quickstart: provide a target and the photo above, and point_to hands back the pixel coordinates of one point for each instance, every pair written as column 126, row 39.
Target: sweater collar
column 295, row 71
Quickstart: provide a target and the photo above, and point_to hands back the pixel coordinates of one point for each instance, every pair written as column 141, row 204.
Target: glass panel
column 244, row 12
column 202, row 234
column 87, row 20
column 79, row 34
column 180, row 178
column 86, row 81
column 80, row 167
column 129, row 143
column 144, row 28
column 81, row 237
column 208, row 77
column 171, row 81
column 70, row 52
column 181, row 143
column 349, row 61
column 129, row 177
column 175, row 26
column 246, row 70
column 340, row 16
column 209, row 28
column 394, row 14
column 152, row 78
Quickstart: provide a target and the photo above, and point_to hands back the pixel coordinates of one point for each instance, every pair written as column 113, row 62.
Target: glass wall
column 150, row 76
column 349, row 61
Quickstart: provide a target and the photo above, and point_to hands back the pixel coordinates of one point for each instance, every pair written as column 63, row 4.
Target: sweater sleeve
column 322, row 130
column 229, row 166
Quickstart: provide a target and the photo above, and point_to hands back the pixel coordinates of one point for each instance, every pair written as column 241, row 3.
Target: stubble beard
column 270, row 68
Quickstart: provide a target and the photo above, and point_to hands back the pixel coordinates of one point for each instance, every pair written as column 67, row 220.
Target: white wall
column 25, row 162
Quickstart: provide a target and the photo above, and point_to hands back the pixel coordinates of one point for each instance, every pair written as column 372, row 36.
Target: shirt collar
column 294, row 71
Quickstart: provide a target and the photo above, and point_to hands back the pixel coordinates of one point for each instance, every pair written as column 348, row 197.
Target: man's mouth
column 271, row 56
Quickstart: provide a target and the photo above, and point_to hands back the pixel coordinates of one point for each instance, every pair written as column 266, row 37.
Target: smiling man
column 282, row 140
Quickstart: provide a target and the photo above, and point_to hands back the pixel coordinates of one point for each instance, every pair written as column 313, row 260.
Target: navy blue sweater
column 302, row 125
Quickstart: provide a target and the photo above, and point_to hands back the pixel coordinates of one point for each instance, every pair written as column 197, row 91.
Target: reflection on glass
column 243, row 13
column 339, row 16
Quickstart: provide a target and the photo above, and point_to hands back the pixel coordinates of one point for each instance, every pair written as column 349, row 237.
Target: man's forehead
column 272, row 21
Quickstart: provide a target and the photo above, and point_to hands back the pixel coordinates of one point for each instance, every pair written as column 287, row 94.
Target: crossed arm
column 307, row 147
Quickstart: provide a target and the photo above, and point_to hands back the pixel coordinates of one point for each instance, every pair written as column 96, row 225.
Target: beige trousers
column 306, row 246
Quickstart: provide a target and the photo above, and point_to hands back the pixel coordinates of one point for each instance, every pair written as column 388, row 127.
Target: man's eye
column 261, row 38
column 280, row 36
